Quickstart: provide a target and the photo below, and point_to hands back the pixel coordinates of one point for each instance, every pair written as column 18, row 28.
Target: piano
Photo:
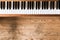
column 29, row 20
column 30, row 6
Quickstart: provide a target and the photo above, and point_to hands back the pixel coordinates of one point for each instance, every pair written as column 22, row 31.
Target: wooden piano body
column 29, row 27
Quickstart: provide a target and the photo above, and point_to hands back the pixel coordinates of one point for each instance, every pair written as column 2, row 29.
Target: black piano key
column 18, row 3
column 57, row 4
column 38, row 4
column 2, row 4
column 28, row 5
column 46, row 5
column 52, row 5
column 9, row 5
column 32, row 5
column 15, row 5
column 42, row 4
column 22, row 4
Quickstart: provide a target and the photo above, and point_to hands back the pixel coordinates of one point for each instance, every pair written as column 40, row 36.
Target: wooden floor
column 30, row 28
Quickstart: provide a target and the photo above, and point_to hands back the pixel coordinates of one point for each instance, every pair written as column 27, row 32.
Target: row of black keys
column 30, row 4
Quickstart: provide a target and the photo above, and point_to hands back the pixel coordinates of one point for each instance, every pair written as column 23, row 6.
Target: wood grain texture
column 30, row 28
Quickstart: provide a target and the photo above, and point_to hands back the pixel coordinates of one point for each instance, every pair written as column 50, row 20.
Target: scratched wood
column 30, row 28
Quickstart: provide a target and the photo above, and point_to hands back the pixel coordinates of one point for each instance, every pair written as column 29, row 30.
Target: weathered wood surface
column 30, row 28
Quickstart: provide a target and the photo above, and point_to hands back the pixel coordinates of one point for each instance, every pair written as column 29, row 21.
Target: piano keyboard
column 29, row 6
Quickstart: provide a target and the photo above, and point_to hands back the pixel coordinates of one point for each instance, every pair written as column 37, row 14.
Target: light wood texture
column 30, row 28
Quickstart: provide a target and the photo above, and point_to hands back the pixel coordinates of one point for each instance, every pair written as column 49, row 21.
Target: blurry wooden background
column 30, row 27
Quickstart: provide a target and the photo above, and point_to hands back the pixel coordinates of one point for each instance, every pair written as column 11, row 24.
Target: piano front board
column 30, row 27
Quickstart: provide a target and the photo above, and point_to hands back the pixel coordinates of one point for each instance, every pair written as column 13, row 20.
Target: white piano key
column 26, row 6
column 29, row 11
column 55, row 5
column 20, row 5
column 41, row 5
column 49, row 6
column 12, row 5
column 5, row 5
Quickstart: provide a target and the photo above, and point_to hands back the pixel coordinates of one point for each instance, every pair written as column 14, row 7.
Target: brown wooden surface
column 30, row 27
column 22, row 15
